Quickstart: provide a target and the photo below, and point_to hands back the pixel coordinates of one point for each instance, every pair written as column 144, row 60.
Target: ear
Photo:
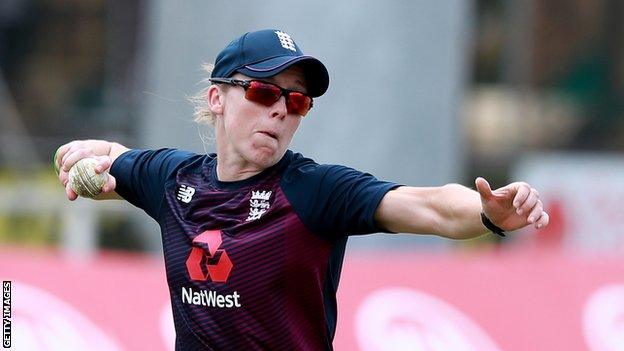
column 215, row 97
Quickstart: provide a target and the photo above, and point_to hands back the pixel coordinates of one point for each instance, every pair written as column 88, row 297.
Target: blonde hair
column 202, row 112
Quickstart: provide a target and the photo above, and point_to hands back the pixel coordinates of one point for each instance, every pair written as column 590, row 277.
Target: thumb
column 483, row 187
column 110, row 185
column 104, row 163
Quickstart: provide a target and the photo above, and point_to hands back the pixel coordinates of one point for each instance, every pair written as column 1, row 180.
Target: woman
column 254, row 235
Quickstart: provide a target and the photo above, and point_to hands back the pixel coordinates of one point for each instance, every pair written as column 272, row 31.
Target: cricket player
column 254, row 236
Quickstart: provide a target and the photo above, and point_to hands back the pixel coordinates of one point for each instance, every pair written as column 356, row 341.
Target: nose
column 278, row 109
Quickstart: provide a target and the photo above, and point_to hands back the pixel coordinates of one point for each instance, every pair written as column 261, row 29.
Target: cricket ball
column 83, row 179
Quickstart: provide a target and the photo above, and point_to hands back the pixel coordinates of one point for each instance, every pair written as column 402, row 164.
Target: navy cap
column 267, row 52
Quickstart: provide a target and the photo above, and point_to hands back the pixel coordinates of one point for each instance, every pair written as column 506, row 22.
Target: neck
column 230, row 169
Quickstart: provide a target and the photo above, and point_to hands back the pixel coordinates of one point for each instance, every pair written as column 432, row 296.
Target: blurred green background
column 534, row 76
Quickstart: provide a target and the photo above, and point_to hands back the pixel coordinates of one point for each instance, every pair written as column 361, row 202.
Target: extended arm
column 454, row 211
column 104, row 151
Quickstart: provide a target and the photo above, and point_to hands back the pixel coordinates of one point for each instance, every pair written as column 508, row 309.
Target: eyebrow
column 299, row 85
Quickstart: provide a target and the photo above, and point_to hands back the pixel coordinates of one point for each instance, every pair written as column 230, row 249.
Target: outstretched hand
column 513, row 206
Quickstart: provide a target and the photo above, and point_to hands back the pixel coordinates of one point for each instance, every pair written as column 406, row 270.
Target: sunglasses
column 268, row 93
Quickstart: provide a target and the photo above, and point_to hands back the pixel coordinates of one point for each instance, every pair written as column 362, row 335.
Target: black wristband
column 491, row 226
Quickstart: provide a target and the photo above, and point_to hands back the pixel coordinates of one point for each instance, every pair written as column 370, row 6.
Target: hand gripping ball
column 84, row 180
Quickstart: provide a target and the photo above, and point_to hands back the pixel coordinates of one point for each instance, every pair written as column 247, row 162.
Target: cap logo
column 285, row 40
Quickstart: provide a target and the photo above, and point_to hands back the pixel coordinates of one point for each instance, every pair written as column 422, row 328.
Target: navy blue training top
column 251, row 264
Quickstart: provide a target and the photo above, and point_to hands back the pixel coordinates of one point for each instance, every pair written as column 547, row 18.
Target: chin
column 265, row 158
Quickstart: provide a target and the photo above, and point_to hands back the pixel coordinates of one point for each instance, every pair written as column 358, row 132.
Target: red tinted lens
column 298, row 103
column 262, row 93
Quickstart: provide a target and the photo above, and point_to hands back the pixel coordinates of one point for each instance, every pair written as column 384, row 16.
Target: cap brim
column 317, row 77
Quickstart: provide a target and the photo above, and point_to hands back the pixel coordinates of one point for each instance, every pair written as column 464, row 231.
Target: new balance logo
column 185, row 194
column 258, row 204
column 286, row 41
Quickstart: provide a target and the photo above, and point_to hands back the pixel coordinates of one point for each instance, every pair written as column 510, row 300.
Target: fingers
column 72, row 152
column 104, row 163
column 535, row 209
column 529, row 209
column 73, row 156
column 529, row 201
column 60, row 154
column 64, row 178
column 110, row 184
column 542, row 221
column 523, row 192
column 71, row 195
column 483, row 187
column 535, row 212
column 68, row 154
column 75, row 153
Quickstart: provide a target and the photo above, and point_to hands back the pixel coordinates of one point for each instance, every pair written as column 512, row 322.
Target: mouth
column 270, row 134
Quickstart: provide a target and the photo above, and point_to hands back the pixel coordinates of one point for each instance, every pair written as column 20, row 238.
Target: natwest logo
column 206, row 260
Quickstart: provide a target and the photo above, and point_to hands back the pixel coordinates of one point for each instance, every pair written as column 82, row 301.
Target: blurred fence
column 35, row 211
